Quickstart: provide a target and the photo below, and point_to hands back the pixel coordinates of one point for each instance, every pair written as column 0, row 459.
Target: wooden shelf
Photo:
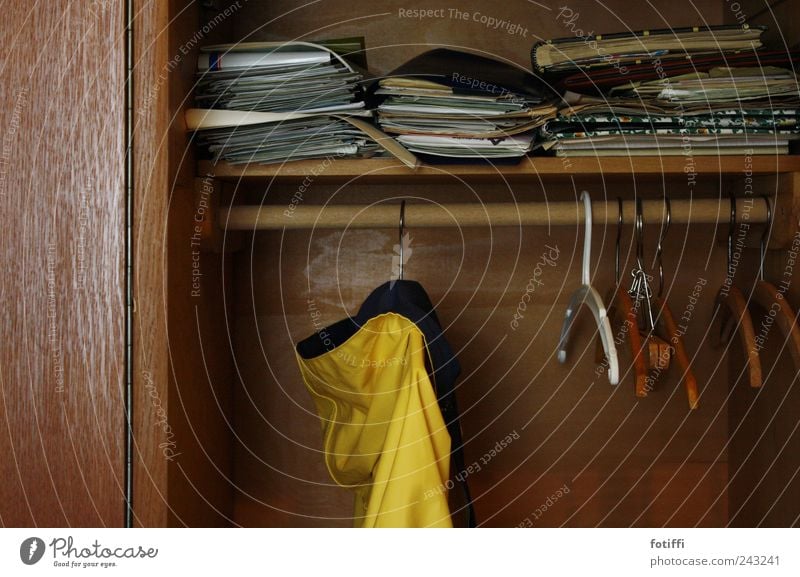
column 530, row 168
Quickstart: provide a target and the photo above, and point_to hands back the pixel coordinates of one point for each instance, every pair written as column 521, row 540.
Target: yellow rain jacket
column 383, row 432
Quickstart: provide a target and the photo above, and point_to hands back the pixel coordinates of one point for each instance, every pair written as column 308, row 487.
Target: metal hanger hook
column 639, row 225
column 400, row 238
column 764, row 236
column 640, row 289
column 620, row 223
column 731, row 226
column 660, row 247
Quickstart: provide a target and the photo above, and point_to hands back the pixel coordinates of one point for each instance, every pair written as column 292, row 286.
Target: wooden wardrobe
column 223, row 430
column 62, row 195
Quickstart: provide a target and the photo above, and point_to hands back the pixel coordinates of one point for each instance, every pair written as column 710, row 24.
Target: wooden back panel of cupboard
column 62, row 257
column 623, row 460
column 394, row 31
column 617, row 468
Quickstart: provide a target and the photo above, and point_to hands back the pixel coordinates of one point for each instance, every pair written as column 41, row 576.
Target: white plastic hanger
column 586, row 294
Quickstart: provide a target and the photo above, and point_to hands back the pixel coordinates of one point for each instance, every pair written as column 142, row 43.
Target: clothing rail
column 425, row 214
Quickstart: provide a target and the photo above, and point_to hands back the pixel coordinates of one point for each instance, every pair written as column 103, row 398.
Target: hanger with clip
column 665, row 322
column 586, row 294
column 767, row 296
column 656, row 350
column 732, row 309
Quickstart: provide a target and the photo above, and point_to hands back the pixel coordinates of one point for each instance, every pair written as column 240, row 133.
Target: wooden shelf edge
column 528, row 168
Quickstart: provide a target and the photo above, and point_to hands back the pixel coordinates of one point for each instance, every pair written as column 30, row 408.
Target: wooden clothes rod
column 386, row 215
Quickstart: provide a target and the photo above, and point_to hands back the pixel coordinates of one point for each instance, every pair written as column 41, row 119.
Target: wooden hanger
column 670, row 331
column 586, row 294
column 665, row 321
column 731, row 306
column 656, row 349
column 769, row 298
column 766, row 295
column 624, row 313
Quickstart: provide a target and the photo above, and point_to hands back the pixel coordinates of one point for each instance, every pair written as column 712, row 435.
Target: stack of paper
column 511, row 146
column 296, row 100
column 446, row 103
column 718, row 85
column 604, row 79
column 588, row 52
column 268, row 137
column 293, row 77
column 430, row 118
column 311, row 137
column 723, row 111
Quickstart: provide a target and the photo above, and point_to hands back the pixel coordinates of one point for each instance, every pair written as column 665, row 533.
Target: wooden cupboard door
column 62, row 248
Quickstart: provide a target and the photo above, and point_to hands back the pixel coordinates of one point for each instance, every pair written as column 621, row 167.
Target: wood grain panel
column 672, row 494
column 151, row 182
column 200, row 485
column 764, row 487
column 62, row 195
column 182, row 368
column 547, row 167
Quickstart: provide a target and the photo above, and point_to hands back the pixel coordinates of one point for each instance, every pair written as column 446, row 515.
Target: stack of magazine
column 684, row 108
column 446, row 103
column 624, row 51
column 270, row 102
column 267, row 77
column 735, row 112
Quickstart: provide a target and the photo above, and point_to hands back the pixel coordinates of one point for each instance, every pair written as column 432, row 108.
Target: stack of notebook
column 446, row 103
column 751, row 108
column 271, row 102
column 612, row 129
column 624, row 51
